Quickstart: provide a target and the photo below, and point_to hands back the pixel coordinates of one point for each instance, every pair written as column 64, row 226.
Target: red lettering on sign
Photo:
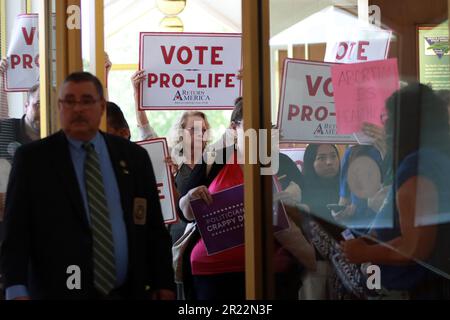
column 167, row 56
column 348, row 50
column 27, row 61
column 152, row 79
column 178, row 80
column 201, row 53
column 160, row 187
column 188, row 58
column 199, row 81
column 229, row 80
column 218, row 79
column 327, row 88
column 29, row 38
column 361, row 50
column 321, row 113
column 165, row 79
column 345, row 46
column 185, row 55
column 313, row 88
column 307, row 111
column 15, row 60
column 213, row 80
column 215, row 55
column 293, row 111
column 352, row 45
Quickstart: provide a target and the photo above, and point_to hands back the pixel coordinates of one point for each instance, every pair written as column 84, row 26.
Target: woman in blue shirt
column 412, row 243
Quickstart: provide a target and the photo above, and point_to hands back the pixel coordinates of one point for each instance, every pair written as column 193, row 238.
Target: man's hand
column 163, row 294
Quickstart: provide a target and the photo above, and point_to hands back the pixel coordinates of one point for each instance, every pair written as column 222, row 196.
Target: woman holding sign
column 221, row 276
column 187, row 146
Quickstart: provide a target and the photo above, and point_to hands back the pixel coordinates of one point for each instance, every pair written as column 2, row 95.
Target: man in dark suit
column 83, row 218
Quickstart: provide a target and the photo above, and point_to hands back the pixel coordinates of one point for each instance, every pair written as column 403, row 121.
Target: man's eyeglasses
column 83, row 103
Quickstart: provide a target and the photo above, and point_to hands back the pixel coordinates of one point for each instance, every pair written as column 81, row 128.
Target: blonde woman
column 187, row 141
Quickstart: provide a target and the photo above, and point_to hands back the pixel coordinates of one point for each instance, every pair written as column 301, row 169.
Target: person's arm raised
column 146, row 130
column 108, row 66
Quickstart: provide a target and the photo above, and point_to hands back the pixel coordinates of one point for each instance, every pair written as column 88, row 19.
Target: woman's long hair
column 175, row 139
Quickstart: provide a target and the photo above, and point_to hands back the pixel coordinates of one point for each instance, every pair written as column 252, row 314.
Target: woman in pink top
column 222, row 276
column 227, row 267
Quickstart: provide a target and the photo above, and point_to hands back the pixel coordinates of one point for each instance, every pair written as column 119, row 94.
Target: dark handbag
column 349, row 275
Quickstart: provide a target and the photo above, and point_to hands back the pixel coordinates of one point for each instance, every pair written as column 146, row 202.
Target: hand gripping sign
column 221, row 224
column 189, row 70
column 158, row 152
column 23, row 55
column 307, row 113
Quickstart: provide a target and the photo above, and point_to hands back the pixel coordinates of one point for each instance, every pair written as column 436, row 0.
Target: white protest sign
column 23, row 54
column 359, row 46
column 189, row 70
column 307, row 112
column 158, row 151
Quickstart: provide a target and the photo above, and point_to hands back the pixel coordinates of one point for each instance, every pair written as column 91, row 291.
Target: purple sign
column 221, row 224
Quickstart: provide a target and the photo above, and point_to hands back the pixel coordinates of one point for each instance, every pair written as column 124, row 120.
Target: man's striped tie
column 103, row 245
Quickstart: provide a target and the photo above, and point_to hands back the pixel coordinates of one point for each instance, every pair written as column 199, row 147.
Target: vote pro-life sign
column 23, row 54
column 189, row 70
column 307, row 113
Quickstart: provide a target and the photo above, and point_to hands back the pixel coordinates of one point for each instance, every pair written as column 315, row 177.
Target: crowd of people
column 88, row 199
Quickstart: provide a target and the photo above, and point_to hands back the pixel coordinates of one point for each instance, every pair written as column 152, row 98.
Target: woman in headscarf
column 321, row 169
